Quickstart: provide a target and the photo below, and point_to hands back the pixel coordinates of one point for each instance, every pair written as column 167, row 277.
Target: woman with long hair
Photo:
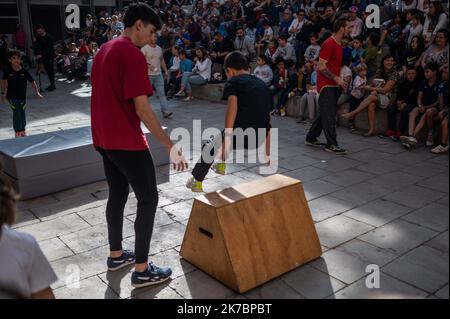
column 435, row 20
column 382, row 93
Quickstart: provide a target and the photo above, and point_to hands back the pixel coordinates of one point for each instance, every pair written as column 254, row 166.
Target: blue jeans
column 158, row 83
column 188, row 79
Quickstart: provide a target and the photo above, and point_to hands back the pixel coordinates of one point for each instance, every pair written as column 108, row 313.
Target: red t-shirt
column 332, row 52
column 119, row 74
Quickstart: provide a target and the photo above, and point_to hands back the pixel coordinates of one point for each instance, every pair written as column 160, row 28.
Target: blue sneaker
column 153, row 276
column 127, row 258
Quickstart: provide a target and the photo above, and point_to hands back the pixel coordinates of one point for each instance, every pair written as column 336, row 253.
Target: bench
column 211, row 92
column 46, row 163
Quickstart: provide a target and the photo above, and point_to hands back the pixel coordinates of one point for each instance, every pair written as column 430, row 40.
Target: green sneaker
column 194, row 185
column 219, row 168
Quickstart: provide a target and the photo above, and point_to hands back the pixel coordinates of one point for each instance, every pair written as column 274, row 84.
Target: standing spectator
column 244, row 44
column 155, row 62
column 20, row 38
column 47, row 54
column 14, row 89
column 329, row 83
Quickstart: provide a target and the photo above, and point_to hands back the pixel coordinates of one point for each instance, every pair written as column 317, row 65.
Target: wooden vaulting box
column 249, row 234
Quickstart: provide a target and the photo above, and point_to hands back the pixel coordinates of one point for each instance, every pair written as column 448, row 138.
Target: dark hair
column 13, row 52
column 432, row 67
column 264, row 58
column 340, row 23
column 204, row 53
column 279, row 60
column 438, row 6
column 381, row 70
column 182, row 52
column 235, row 60
column 141, row 11
column 444, row 32
column 359, row 38
column 283, row 37
column 40, row 26
column 8, row 200
column 420, row 44
column 374, row 38
column 314, row 35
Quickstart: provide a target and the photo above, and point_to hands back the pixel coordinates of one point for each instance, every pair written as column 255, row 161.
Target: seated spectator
column 443, row 114
column 308, row 101
column 413, row 53
column 346, row 75
column 313, row 50
column 200, row 75
column 392, row 36
column 285, row 51
column 263, row 71
column 427, row 108
column 382, row 93
column 296, row 25
column 222, row 47
column 357, row 52
column 436, row 19
column 281, row 87
column 357, row 92
column 285, row 23
column 370, row 55
column 407, row 93
column 244, row 44
column 414, row 28
column 266, row 38
column 357, row 23
column 436, row 53
column 270, row 52
column 25, row 271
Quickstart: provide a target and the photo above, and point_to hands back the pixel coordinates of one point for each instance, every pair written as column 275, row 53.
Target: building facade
column 50, row 13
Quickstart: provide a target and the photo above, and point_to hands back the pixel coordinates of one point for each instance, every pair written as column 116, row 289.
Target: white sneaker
column 189, row 98
column 440, row 149
column 411, row 140
column 430, row 140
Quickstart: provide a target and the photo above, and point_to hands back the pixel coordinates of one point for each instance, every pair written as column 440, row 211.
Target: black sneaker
column 127, row 258
column 51, row 88
column 316, row 143
column 152, row 276
column 166, row 115
column 336, row 150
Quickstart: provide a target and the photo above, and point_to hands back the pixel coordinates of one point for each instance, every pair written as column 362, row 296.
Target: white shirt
column 357, row 27
column 24, row 269
column 357, row 90
column 203, row 68
column 153, row 55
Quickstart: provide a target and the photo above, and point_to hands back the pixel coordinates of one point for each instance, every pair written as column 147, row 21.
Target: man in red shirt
column 329, row 85
column 119, row 102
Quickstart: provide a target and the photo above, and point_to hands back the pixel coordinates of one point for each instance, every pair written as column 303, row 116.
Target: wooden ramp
column 249, row 234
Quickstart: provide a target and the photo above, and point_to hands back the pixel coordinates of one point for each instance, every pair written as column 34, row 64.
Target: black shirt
column 46, row 47
column 254, row 101
column 408, row 92
column 17, row 83
column 430, row 93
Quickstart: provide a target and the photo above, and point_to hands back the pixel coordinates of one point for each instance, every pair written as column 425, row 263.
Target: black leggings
column 135, row 168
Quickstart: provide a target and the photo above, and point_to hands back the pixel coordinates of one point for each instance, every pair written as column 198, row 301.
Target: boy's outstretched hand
column 179, row 162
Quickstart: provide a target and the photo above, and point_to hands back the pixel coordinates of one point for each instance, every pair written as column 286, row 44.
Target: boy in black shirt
column 427, row 108
column 249, row 105
column 14, row 89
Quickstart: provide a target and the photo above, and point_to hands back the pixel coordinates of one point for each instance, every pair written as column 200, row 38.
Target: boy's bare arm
column 230, row 117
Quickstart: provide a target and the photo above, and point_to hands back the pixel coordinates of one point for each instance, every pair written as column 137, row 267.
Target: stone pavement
column 378, row 205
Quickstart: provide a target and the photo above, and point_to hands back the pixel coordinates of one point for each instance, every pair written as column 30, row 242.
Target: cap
column 353, row 9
